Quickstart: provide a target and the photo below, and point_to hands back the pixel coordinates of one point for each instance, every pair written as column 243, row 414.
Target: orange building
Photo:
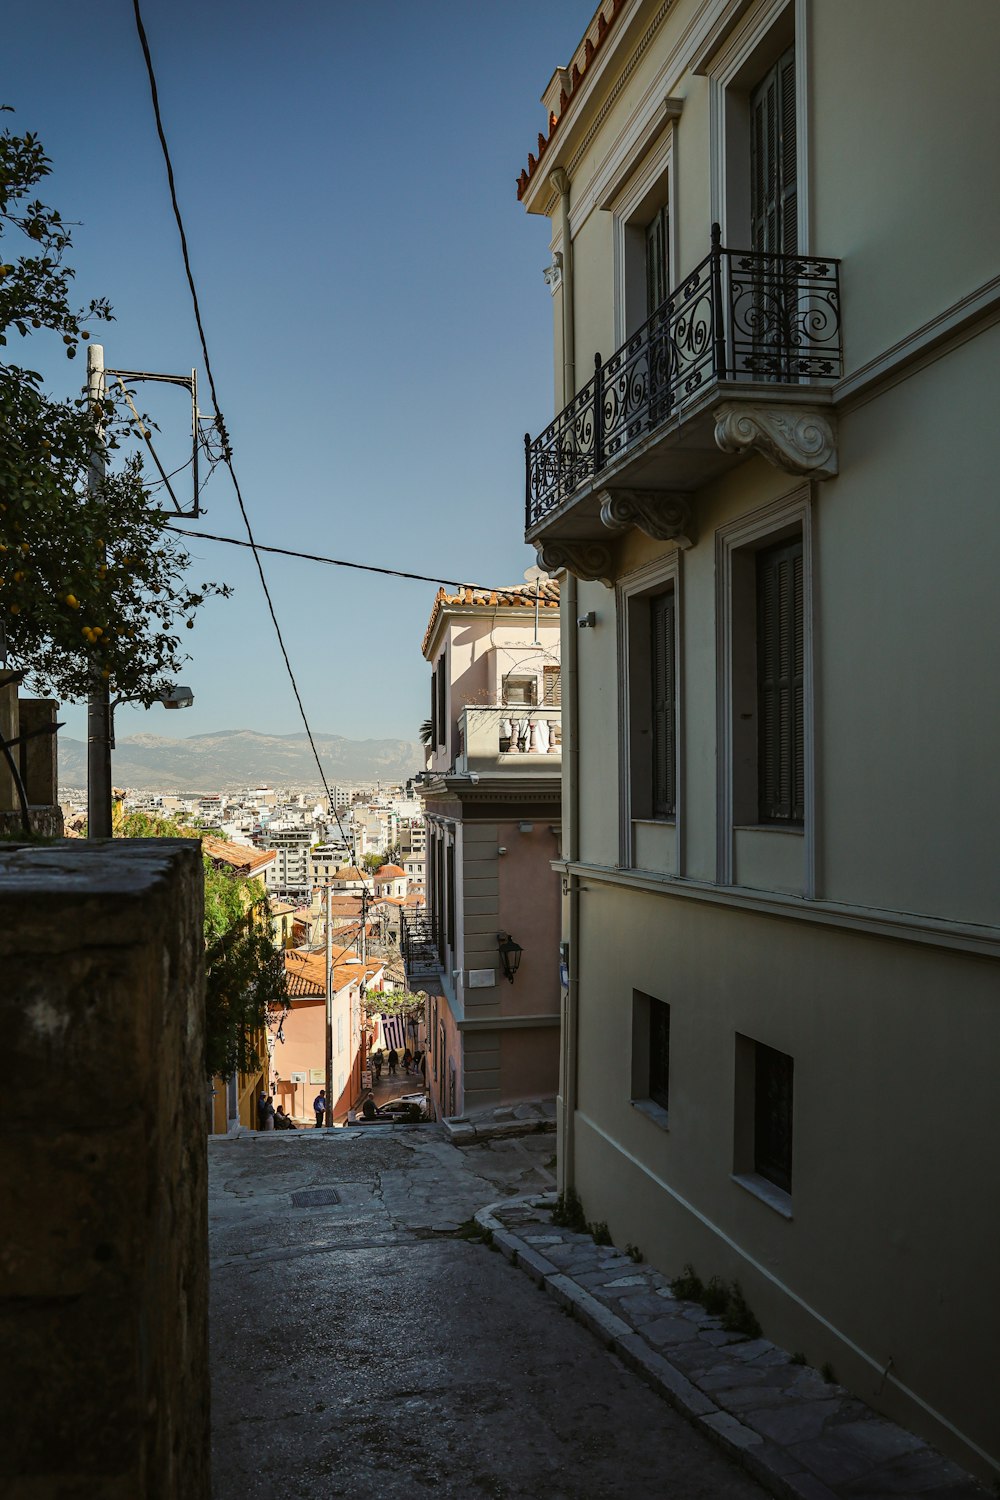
column 299, row 1062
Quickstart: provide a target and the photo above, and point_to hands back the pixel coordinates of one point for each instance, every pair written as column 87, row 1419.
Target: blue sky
column 372, row 292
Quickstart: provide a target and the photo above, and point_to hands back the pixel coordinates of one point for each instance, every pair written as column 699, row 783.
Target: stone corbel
column 798, row 439
column 662, row 514
column 588, row 560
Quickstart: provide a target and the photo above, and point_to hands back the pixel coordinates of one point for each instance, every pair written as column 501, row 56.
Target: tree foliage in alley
column 395, row 1003
column 91, row 585
column 246, row 988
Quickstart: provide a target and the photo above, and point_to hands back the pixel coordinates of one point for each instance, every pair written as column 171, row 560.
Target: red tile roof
column 239, row 857
column 520, row 596
column 307, row 971
column 591, row 47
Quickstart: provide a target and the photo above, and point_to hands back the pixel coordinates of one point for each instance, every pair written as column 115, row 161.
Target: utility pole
column 329, row 1007
column 99, row 701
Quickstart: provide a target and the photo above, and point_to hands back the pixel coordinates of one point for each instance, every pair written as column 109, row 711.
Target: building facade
column 776, row 305
column 491, row 800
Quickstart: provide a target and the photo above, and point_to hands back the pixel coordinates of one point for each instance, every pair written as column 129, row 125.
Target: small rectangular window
column 651, row 1056
column 520, row 691
column 772, row 1133
column 659, row 1053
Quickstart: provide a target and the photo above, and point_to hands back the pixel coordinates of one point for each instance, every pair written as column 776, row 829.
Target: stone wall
column 103, row 1260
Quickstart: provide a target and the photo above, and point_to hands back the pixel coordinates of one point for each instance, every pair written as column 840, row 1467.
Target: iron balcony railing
column 739, row 315
column 418, row 944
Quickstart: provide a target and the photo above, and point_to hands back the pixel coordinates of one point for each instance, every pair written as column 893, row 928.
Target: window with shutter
column 552, row 686
column 657, row 278
column 774, row 218
column 434, row 707
column 442, row 701
column 772, row 1138
column 663, row 667
column 780, row 684
column 773, row 165
column 450, row 936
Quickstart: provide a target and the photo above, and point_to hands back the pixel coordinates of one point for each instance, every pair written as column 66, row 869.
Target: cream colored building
column 772, row 483
column 491, row 797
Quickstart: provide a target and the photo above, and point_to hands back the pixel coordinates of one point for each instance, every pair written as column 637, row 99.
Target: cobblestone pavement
column 361, row 1346
column 802, row 1436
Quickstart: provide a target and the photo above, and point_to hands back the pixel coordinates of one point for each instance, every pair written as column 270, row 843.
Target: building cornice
column 907, row 927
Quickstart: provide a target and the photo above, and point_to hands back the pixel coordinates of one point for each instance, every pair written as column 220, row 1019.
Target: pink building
column 486, row 946
column 299, row 1061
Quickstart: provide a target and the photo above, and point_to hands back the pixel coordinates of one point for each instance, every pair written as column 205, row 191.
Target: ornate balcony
column 741, row 355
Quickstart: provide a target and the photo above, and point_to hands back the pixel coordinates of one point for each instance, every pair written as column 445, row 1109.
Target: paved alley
column 361, row 1346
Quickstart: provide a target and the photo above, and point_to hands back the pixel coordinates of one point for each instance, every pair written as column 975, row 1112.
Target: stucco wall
column 895, row 1225
column 104, row 1271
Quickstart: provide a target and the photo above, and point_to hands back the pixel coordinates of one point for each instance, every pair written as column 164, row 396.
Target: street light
column 510, row 954
column 101, row 742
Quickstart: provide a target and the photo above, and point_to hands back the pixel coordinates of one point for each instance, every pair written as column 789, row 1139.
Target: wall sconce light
column 510, row 955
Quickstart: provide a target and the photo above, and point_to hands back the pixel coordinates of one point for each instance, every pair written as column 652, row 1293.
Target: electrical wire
column 227, row 451
column 335, row 562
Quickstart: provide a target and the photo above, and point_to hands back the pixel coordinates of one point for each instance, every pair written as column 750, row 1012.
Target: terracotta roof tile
column 238, row 856
column 521, row 595
column 591, row 47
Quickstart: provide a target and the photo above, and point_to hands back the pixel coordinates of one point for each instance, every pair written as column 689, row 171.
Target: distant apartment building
column 324, row 860
column 291, row 845
column 486, row 946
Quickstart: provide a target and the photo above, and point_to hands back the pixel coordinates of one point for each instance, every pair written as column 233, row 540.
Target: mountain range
column 233, row 758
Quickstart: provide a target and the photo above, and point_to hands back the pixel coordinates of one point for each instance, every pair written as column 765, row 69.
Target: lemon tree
column 91, row 584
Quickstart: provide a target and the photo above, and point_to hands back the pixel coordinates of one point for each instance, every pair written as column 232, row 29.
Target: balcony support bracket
column 584, row 559
column 797, row 439
column 664, row 515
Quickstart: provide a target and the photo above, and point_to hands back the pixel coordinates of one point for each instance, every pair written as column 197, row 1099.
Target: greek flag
column 394, row 1032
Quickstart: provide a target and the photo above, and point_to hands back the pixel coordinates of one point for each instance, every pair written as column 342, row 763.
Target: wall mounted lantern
column 510, row 954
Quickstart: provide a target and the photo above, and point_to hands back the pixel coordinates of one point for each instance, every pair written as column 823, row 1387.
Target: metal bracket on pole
column 189, row 383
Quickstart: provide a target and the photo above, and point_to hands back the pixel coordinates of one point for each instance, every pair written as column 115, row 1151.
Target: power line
column 227, row 451
column 335, row 562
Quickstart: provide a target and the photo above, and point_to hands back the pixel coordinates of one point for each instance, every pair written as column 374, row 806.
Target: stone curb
column 465, row 1133
column 779, row 1467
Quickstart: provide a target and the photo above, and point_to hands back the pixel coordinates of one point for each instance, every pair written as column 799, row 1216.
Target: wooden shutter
column 451, row 936
column 657, row 277
column 434, row 707
column 780, row 684
column 773, row 161
column 552, row 686
column 442, row 698
column 664, row 704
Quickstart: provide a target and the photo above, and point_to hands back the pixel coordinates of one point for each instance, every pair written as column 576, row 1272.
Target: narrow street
column 361, row 1346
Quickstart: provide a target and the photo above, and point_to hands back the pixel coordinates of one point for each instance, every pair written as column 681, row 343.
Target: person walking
column 407, row 1060
column 319, row 1105
column 393, row 1061
column 377, row 1064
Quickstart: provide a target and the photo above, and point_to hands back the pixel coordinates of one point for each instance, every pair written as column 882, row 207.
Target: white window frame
column 651, row 578
column 729, row 81
column 754, row 531
column 654, row 174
